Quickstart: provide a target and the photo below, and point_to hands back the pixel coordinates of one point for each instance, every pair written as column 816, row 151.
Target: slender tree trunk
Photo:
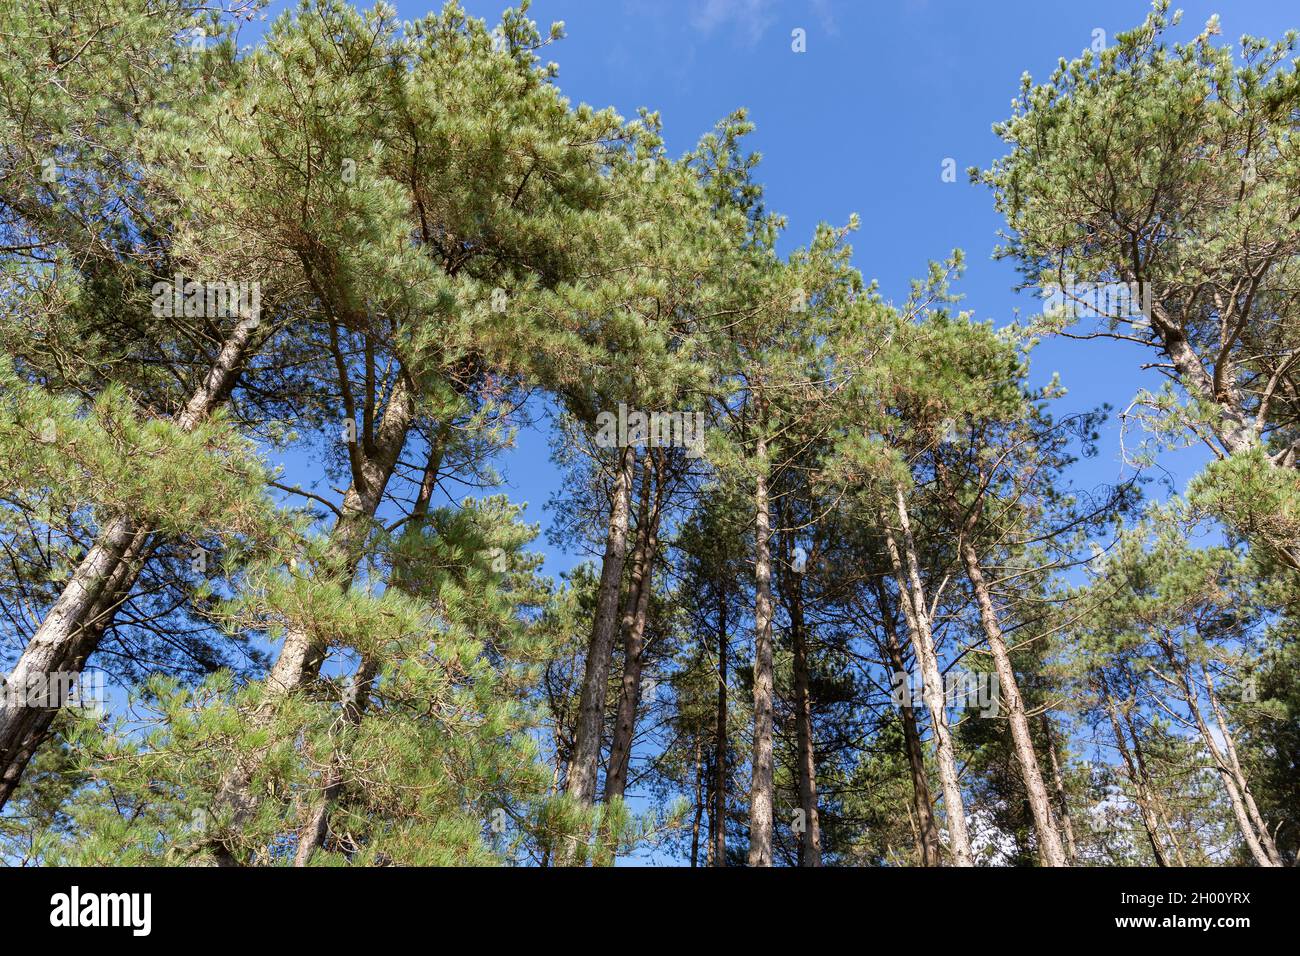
column 591, row 712
column 1137, row 775
column 912, row 598
column 300, row 655
column 1231, row 783
column 761, row 783
column 1058, row 781
column 699, row 805
column 312, row 834
column 810, row 844
column 925, row 827
column 1230, row 749
column 720, row 741
column 634, row 623
column 102, row 580
column 1049, row 841
column 1169, row 833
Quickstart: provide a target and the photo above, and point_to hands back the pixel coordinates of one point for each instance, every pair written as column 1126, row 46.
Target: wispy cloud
column 748, row 18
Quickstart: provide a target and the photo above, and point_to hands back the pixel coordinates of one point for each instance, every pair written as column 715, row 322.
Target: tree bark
column 73, row 627
column 1049, row 841
column 1058, row 781
column 637, row 608
column 581, row 785
column 300, row 655
column 915, row 611
column 1232, row 783
column 1230, row 749
column 312, row 834
column 761, row 782
column 720, row 741
column 699, row 804
column 810, row 844
column 924, row 823
column 1138, row 776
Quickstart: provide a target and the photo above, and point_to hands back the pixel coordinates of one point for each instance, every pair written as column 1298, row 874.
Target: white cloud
column 749, row 18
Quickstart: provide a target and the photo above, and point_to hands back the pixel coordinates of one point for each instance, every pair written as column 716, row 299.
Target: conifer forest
column 410, row 460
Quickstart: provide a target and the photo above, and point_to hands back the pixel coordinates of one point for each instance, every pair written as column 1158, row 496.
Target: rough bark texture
column 637, row 607
column 761, row 783
column 912, row 598
column 102, row 580
column 1049, row 841
column 927, row 828
column 583, row 767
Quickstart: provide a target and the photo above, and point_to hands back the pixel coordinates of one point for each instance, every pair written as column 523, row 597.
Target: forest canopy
column 273, row 314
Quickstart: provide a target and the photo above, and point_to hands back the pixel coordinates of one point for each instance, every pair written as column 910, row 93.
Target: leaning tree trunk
column 1049, row 841
column 912, row 598
column 581, row 785
column 1232, row 783
column 1137, row 775
column 301, row 655
column 1230, row 749
column 761, row 782
column 102, row 580
column 927, row 836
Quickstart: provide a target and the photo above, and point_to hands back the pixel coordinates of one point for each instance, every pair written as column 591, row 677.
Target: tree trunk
column 720, row 741
column 591, row 712
column 924, row 823
column 1049, row 841
column 761, row 783
column 1137, row 775
column 699, row 805
column 915, row 611
column 311, row 836
column 634, row 623
column 300, row 655
column 1231, row 782
column 1230, row 748
column 1058, row 781
column 102, row 580
column 810, row 844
